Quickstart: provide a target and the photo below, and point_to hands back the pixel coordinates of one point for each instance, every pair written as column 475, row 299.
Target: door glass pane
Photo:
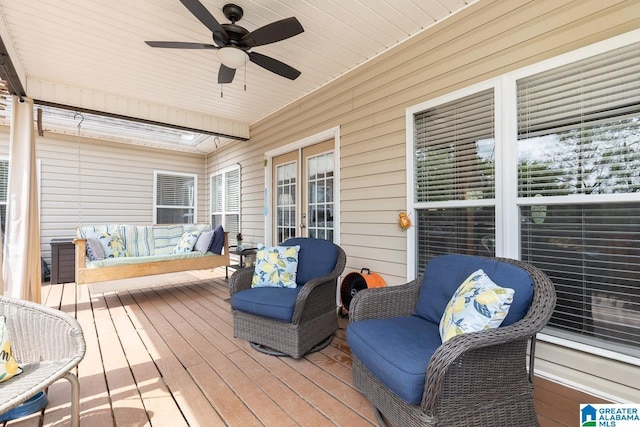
column 320, row 196
column 285, row 201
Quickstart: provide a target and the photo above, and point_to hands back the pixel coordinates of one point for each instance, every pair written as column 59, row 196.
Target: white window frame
column 225, row 212
column 155, row 194
column 507, row 203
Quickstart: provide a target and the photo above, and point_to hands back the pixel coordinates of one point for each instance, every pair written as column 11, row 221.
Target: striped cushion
column 196, row 227
column 91, row 230
column 166, row 237
column 138, row 239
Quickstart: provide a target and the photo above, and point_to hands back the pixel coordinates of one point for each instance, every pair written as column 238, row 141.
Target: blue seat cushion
column 396, row 351
column 444, row 274
column 274, row 303
column 316, row 257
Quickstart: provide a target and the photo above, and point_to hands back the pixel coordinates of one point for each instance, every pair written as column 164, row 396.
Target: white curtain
column 22, row 267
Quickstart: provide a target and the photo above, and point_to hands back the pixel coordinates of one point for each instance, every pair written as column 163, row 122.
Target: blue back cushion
column 444, row 274
column 217, row 242
column 316, row 257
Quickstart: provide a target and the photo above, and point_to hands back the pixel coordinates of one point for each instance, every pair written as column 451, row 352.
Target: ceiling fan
column 233, row 42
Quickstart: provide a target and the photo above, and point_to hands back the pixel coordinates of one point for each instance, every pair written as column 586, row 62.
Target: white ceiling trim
column 99, row 101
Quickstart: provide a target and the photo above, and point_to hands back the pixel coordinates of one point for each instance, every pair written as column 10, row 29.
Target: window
column 4, row 187
column 175, row 197
column 565, row 186
column 579, row 158
column 225, row 201
column 454, row 177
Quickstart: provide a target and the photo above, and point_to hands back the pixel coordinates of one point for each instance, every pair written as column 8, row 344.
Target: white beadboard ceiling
column 91, row 54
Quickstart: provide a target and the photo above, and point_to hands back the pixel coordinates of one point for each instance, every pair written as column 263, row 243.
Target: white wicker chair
column 47, row 345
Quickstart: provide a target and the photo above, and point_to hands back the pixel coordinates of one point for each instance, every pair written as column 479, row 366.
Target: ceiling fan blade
column 274, row 65
column 181, row 45
column 226, row 74
column 272, row 33
column 199, row 11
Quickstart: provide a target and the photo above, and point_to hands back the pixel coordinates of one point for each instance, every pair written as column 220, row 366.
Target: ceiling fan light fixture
column 233, row 57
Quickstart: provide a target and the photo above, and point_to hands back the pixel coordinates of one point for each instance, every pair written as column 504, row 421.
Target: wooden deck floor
column 165, row 356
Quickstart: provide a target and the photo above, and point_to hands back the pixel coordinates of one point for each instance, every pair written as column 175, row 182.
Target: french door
column 303, row 193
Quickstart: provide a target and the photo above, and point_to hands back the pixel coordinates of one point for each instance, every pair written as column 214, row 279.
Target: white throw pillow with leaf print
column 276, row 266
column 477, row 304
column 112, row 244
column 186, row 242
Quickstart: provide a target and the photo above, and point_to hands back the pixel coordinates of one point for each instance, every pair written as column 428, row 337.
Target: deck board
column 161, row 353
column 172, row 355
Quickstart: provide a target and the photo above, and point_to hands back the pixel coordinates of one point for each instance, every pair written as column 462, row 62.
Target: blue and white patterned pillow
column 477, row 304
column 186, row 242
column 276, row 266
column 112, row 244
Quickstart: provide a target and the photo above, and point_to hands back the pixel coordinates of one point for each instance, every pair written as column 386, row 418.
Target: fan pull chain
column 221, row 94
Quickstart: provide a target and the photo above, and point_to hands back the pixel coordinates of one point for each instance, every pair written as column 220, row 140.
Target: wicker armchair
column 291, row 322
column 47, row 345
column 473, row 379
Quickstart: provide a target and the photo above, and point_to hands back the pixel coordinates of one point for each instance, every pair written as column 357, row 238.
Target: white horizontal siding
column 94, row 181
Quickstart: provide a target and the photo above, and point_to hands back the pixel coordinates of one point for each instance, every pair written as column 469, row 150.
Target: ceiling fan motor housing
column 235, row 34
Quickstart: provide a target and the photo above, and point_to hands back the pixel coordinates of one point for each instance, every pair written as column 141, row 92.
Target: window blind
column 579, row 127
column 591, row 253
column 232, row 191
column 588, row 91
column 175, row 190
column 225, row 197
column 454, row 155
column 4, row 186
column 454, row 231
column 454, row 162
column 579, row 133
column 217, row 193
column 175, row 198
column 232, row 204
